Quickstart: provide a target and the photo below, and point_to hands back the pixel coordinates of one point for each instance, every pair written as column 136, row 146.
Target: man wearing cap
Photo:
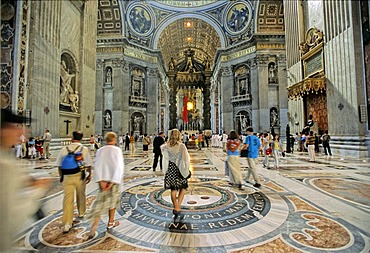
column 74, row 182
column 19, row 193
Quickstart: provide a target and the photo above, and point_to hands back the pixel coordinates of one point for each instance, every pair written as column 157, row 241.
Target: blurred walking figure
column 19, row 192
column 109, row 170
column 132, row 143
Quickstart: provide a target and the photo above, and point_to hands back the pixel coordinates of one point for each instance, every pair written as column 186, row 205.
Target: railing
column 241, row 98
column 138, row 99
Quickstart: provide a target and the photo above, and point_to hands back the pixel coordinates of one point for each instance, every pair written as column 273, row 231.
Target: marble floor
column 301, row 207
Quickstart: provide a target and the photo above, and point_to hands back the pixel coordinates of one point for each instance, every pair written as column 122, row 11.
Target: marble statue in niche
column 137, row 123
column 108, row 76
column 272, row 72
column 107, row 119
column 274, row 117
column 140, row 19
column 66, row 85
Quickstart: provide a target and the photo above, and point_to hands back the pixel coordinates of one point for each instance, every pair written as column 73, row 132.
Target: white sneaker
column 66, row 229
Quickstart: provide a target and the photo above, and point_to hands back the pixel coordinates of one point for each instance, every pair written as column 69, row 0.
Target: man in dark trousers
column 127, row 142
column 157, row 142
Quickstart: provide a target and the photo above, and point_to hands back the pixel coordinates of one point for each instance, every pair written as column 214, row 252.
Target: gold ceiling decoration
column 199, row 36
column 307, row 86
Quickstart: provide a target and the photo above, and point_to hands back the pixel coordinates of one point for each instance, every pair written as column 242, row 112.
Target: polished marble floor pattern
column 301, row 207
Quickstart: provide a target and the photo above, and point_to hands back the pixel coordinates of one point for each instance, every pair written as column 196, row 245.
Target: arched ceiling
column 162, row 24
column 188, row 33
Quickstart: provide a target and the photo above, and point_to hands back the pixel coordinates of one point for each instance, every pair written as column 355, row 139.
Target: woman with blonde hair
column 176, row 162
column 109, row 170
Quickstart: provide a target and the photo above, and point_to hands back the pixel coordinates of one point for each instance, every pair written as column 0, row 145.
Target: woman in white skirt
column 109, row 171
column 232, row 150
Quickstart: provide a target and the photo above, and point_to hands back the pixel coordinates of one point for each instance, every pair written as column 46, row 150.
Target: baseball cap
column 7, row 116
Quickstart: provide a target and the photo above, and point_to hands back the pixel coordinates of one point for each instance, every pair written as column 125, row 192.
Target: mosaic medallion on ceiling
column 238, row 17
column 140, row 19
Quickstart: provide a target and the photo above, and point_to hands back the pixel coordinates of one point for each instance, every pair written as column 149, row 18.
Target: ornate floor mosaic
column 304, row 207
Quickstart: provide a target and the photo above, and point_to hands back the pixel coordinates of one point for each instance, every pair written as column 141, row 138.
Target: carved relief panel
column 241, row 81
column 69, row 97
column 137, row 82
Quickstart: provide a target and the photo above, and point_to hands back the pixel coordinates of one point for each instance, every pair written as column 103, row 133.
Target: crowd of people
column 170, row 152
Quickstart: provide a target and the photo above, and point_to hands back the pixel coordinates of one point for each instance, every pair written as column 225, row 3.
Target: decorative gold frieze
column 270, row 46
column 238, row 54
column 109, row 49
column 307, row 86
column 190, row 78
column 131, row 52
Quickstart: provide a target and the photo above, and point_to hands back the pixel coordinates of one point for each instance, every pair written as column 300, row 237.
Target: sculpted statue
column 303, row 47
column 108, row 78
column 172, row 64
column 66, row 79
column 272, row 73
column 74, row 98
column 137, row 122
column 274, row 118
column 107, row 119
column 206, row 64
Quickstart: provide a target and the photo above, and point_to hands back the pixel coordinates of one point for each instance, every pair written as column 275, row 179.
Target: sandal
column 113, row 224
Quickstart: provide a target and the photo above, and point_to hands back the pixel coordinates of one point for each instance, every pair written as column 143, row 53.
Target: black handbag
column 244, row 153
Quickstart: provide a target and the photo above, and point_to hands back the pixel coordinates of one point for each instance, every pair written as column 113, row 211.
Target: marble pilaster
column 152, row 111
column 226, row 94
column 260, row 109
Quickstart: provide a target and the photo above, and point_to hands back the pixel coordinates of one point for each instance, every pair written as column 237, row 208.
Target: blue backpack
column 69, row 161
